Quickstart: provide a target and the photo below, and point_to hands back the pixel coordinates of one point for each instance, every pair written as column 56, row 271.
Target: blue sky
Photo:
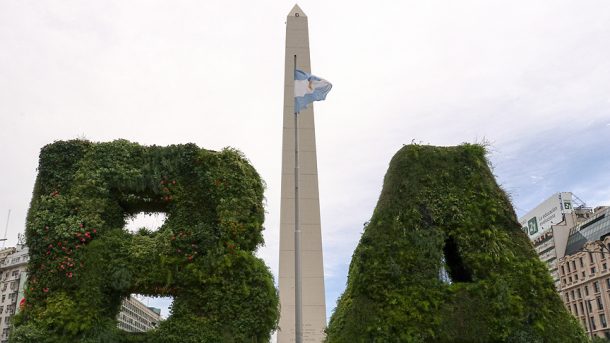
column 532, row 79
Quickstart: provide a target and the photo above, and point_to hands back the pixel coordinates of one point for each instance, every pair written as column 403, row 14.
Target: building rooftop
column 596, row 228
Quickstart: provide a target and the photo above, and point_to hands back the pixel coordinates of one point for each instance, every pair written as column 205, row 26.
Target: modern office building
column 137, row 317
column 585, row 273
column 548, row 227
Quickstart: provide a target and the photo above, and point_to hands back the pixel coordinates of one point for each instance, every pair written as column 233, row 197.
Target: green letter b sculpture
column 83, row 262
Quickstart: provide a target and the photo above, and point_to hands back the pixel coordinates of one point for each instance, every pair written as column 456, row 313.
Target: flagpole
column 298, row 306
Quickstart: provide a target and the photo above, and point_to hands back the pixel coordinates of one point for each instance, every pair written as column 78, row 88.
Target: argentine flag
column 307, row 89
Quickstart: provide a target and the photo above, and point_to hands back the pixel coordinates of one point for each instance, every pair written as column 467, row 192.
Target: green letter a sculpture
column 443, row 259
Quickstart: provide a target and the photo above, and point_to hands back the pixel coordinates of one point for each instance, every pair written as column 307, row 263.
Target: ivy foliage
column 441, row 207
column 83, row 262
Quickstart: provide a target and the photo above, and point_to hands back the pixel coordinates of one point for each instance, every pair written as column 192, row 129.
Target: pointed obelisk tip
column 297, row 12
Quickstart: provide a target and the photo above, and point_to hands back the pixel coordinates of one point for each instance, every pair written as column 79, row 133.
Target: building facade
column 137, row 317
column 548, row 226
column 585, row 273
column 12, row 279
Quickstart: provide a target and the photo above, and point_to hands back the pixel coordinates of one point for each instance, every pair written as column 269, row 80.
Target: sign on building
column 548, row 213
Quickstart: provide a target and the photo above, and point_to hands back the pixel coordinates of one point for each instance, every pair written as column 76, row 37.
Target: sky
column 529, row 79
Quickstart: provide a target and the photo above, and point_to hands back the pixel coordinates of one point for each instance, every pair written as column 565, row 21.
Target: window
column 576, row 277
column 568, row 264
column 570, row 279
column 589, row 306
column 592, row 270
column 604, row 266
column 600, row 305
column 582, row 265
column 591, row 258
column 572, row 293
column 593, row 323
column 602, row 320
column 596, row 286
column 586, row 290
column 578, row 293
column 563, row 272
column 567, row 296
column 582, row 309
column 574, row 265
column 608, row 283
column 575, row 310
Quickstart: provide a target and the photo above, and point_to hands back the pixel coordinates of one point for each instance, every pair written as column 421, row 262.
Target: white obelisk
column 312, row 268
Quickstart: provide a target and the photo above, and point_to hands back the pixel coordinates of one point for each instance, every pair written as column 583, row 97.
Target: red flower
column 69, row 275
column 46, row 290
column 94, row 231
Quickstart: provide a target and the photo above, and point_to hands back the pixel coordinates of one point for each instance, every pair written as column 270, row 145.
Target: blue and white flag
column 307, row 89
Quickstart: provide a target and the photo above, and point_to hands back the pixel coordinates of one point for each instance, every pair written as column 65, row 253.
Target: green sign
column 533, row 225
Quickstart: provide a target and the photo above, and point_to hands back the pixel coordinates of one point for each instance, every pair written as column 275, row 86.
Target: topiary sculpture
column 83, row 262
column 441, row 209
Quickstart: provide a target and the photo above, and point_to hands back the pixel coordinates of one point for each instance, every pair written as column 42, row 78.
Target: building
column 133, row 317
column 312, row 297
column 585, row 273
column 137, row 317
column 548, row 227
column 12, row 280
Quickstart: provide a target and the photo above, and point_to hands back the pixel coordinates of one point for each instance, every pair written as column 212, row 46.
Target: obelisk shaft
column 314, row 306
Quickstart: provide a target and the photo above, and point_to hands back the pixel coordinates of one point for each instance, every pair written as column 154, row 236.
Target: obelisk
column 312, row 286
